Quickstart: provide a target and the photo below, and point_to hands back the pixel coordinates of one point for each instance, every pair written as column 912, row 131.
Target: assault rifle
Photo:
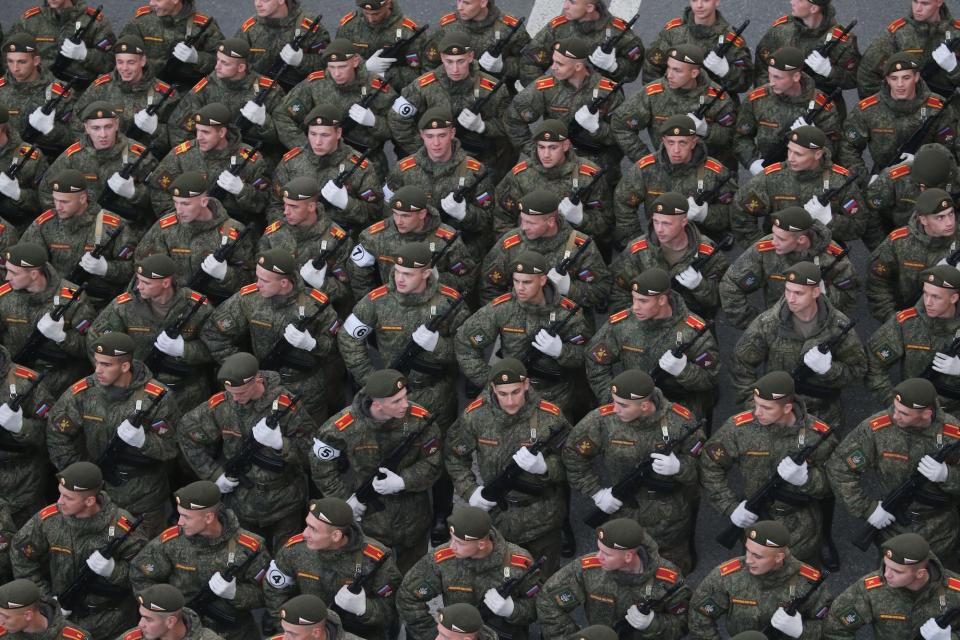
column 506, row 590
column 115, row 203
column 778, row 153
column 702, row 110
column 159, row 362
column 30, row 133
column 357, row 586
column 825, row 49
column 578, row 135
column 283, row 354
column 395, row 49
column 8, row 208
column 201, row 280
column 119, row 452
column 934, row 376
column 917, row 138
column 87, row 582
column 825, row 197
column 611, row 43
column 136, row 133
column 218, row 192
column 36, row 346
column 946, row 618
column 406, row 359
column 659, row 375
column 722, row 49
column 472, row 142
column 15, row 401
column 207, row 603
column 795, row 603
column 567, row 263
column 326, row 252
column 61, row 63
column 645, row 606
column 182, row 74
column 79, row 275
column 931, row 70
column 578, row 194
column 496, row 50
column 802, row 373
column 348, row 123
column 532, row 355
column 251, row 452
column 287, row 76
column 509, row 477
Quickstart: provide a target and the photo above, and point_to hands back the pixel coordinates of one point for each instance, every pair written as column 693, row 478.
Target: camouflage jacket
column 483, row 34
column 195, row 630
column 57, row 627
column 23, row 211
column 267, row 36
column 369, row 38
column 161, row 34
column 23, row 98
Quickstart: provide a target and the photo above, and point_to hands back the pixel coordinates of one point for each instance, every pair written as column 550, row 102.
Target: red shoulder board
column 447, row 19
column 606, row 409
column 379, row 292
column 79, row 386
column 48, row 511
column 520, row 166
column 196, row 297
column 474, row 405
column 183, row 147
column 545, row 83
column 653, row 88
column 511, row 240
column 838, row 33
column 646, row 160
column 137, row 148
column 695, row 323
column 200, row 19
column 897, row 234
column 216, row 399
column 682, row 411
column 424, row 80
column 781, row 20
column 509, row 20
column 66, row 292
column 3, row 82
column 809, row 572
column 244, row 152
column 292, row 540
column 549, row 407
column 896, row 24
column 250, row 288
column 906, row 314
column 201, row 83
column 249, row 542
column 372, row 552
column 446, row 234
column 587, row 170
column 705, row 249
column 32, row 11
column 72, row 149
column 567, row 303
column 443, row 554
column 820, row 427
column 380, row 85
column 105, row 78
column 5, row 289
column 666, row 575
column 868, row 102
column 252, row 20
column 72, row 632
column 773, row 168
column 136, row 634
column 520, row 561
column 418, row 412
column 450, row 292
column 899, row 171
column 409, row 24
column 153, row 389
column 713, row 165
column 606, row 84
column 407, row 163
column 734, row 38
column 24, row 372
column 272, row 228
column 473, row 165
column 161, row 86
column 880, row 422
column 124, row 524
column 618, row 316
column 111, row 220
column 935, row 102
column 843, row 171
column 640, row 245
column 673, row 24
column 170, row 533
column 501, row 299
column 347, row 18
column 756, row 94
column 320, row 74
column 731, row 566
column 956, row 24
column 168, row 221
column 265, row 82
column 951, row 430
column 834, row 249
column 743, row 418
column 589, row 562
column 556, row 22
column 142, row 11
column 319, row 296
column 619, row 24
column 872, row 582
column 953, row 583
column 44, row 217
column 124, row 298
column 343, row 421
column 377, row 227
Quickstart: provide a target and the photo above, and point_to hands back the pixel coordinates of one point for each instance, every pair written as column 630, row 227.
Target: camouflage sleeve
column 849, row 214
column 630, row 54
column 602, row 353
column 128, row 550
column 623, row 270
column 99, row 40
column 882, row 281
column 849, row 612
column 33, row 431
column 590, row 280
column 856, row 454
column 818, row 481
column 493, row 273
column 280, row 584
column 164, row 173
column 843, row 284
column 703, row 366
column 325, row 470
column 352, row 339
column 28, row 178
column 525, row 596
column 598, row 214
column 61, row 135
column 179, row 127
column 364, row 199
column 720, row 456
column 513, row 55
column 884, row 350
column 575, row 335
column 815, row 611
column 288, row 117
column 583, row 445
column 78, row 320
column 403, row 117
column 472, row 339
column 749, row 354
column 255, row 194
column 458, row 268
column 525, row 109
column 845, row 59
column 426, row 469
column 207, row 47
column 7, row 531
column 120, row 258
column 195, row 352
column 743, row 277
column 458, row 449
column 559, row 600
column 198, row 434
column 249, row 588
column 856, row 137
column 721, row 119
column 160, row 442
column 709, row 602
column 381, row 600
column 505, row 214
column 364, row 278
column 29, row 550
column 604, row 135
column 420, row 585
column 654, row 62
column 870, row 72
column 740, row 77
column 629, row 121
column 227, row 327
column 149, row 567
column 744, row 144
column 64, row 431
column 849, row 363
column 150, row 244
column 479, row 207
column 628, row 196
column 880, row 198
column 752, row 204
column 707, row 294
column 671, row 620
column 536, row 57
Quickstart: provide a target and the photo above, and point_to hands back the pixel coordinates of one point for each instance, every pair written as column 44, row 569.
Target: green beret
column 98, row 109
column 372, row 5
column 301, row 188
column 460, row 618
column 81, row 476
column 753, row 635
column 129, row 44
column 901, row 61
column 573, row 48
column 324, row 115
column 550, row 131
column 385, row 383
column 933, row 201
column 157, row 267
column 652, row 282
column 333, row 511
column 507, row 371
column 20, row 43
column 931, row 166
column 595, row 632
column 769, row 533
column 528, row 261
column 339, row 50
column 792, row 219
column 238, row 369
column 68, row 181
column 786, row 59
column 906, row 548
column 620, row 533
column 775, row 385
column 409, row 198
column 632, row 384
column 413, row 255
column 436, row 118
column 678, row 125
column 4, row 114
column 234, row 48
column 540, row 202
column 198, row 495
column 162, row 598
column 916, row 393
column 470, row 523
column 809, row 137
column 28, row 255
column 670, row 203
column 942, row 275
column 215, row 114
column 805, row 273
column 455, row 43
column 278, row 261
column 688, row 53
column 114, row 344
column 304, row 610
column 190, row 184
column 19, row 594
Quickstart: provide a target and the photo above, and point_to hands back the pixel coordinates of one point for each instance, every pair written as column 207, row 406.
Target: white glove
column 9, row 187
column 605, row 61
column 337, row 196
column 216, row 269
column 121, row 186
column 355, row 603
column 93, row 266
column 589, row 121
column 561, row 282
column 637, row 620
column 672, row 364
column 799, row 122
column 453, row 208
column 291, row 56
column 498, row 605
column 716, row 65
column 222, row 588
column 255, row 113
column 665, row 465
column 170, row 346
column 477, row 500
column 786, row 624
column 743, row 517
column 233, row 184
column 880, row 517
column 819, row 64
column 756, row 167
column 518, row 86
column 873, row 179
column 358, row 507
column 66, row 613
column 42, row 122
column 425, row 338
column 689, row 278
column 572, row 212
column 225, row 484
column 548, row 344
column 818, row 361
column 947, row 365
column 945, row 58
column 299, row 339
column 491, row 64
column 101, row 566
column 73, row 50
column 790, row 471
column 376, row 64
column 930, row 630
column 471, row 121
column 268, row 436
column 390, row 485
column 313, row 276
column 932, row 470
column 185, row 53
column 11, row 420
column 606, row 501
column 146, row 122
column 819, row 212
column 362, row 115
column 907, row 157
column 52, row 329
column 136, row 437
column 387, row 192
column 700, row 123
column 697, row 212
column 529, row 462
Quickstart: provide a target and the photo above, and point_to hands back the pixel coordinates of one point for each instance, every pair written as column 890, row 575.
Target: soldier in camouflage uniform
column 684, row 88
column 163, row 616
column 644, row 336
column 19, row 196
column 895, row 442
column 795, row 237
column 306, row 616
column 64, row 539
column 270, row 33
column 626, row 570
column 147, row 312
column 676, row 246
column 379, row 419
column 639, row 424
column 469, row 569
column 27, row 616
column 928, row 239
column 681, row 163
column 323, row 560
column 194, row 554
column 749, row 592
column 94, row 416
column 7, row 530
column 703, row 25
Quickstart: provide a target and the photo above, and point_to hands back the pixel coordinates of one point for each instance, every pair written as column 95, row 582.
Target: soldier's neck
column 39, row 284
column 124, row 380
column 813, row 21
column 4, row 138
column 38, row 623
column 577, row 79
column 808, row 314
column 677, row 243
column 214, row 529
column 480, row 17
column 706, row 21
column 177, row 632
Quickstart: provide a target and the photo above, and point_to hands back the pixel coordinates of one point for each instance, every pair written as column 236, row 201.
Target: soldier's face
column 109, row 369
column 445, row 634
column 59, row 4
column 668, row 228
column 939, row 302
column 71, row 503
column 410, row 280
column 769, row 412
column 647, row 307
column 563, row 67
column 760, row 559
column 153, row 288
column 297, row 212
column 166, row 7
column 938, row 225
column 377, row 16
column 319, row 535
column 679, row 148
column 228, row 68
column 906, row 417
column 511, row 397
column 16, row 620
column 210, row 137
column 782, row 82
column 784, row 242
column 802, row 159
column 409, row 221
column 102, row 132
column 464, row 549
column 194, row 522
column 903, row 84
column 576, row 9
column 190, row 209
column 272, row 284
column 800, row 297
column 924, row 10
column 323, row 140
column 534, row 227
column 802, row 8
column 903, row 575
column 703, row 9
column 470, row 9
column 270, row 8
column 438, row 143
column 343, row 72
column 552, row 154
column 154, row 625
column 395, row 407
column 243, row 393
column 457, row 68
column 24, row 67
column 527, row 287
column 130, row 66
column 21, row 277
column 681, row 75
column 68, row 205
column 613, row 559
column 629, row 410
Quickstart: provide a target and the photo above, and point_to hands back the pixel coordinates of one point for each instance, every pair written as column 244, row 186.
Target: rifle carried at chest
column 38, row 346
column 507, row 590
column 252, row 453
column 87, row 582
column 407, row 359
column 919, row 136
column 496, row 50
column 802, row 373
column 200, row 281
column 158, row 361
column 795, row 603
column 61, row 63
column 778, row 153
column 119, row 452
column 645, row 606
column 136, row 133
column 220, row 612
column 182, row 74
column 79, row 275
column 283, row 354
column 509, row 478
column 280, row 71
column 478, row 144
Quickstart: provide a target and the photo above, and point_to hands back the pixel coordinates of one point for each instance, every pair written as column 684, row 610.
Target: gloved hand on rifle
column 790, row 471
column 73, row 50
column 390, row 484
column 378, row 65
column 11, row 420
column 229, row 182
column 255, row 113
column 930, row 630
column 756, row 167
column 146, row 122
column 604, row 61
column 799, row 122
column 454, row 209
column 477, row 500
column 573, row 213
column 529, row 462
column 932, row 470
column 358, row 507
column 672, row 364
column 498, row 605
column 817, row 361
column 216, row 269
column 743, row 517
column 355, row 603
column 689, row 278
column 945, row 59
column 171, row 346
column 789, row 625
column 93, row 266
column 946, row 364
column 638, row 620
column 426, row 338
column 100, row 565
column 337, row 196
column 588, row 119
column 136, row 437
column 226, row 484
column 716, row 65
column 362, row 115
column 222, row 588
column 548, row 344
column 313, row 276
column 42, row 122
column 186, row 53
column 123, row 187
column 700, row 124
column 291, row 56
column 880, row 518
column 606, row 501
column 9, row 187
column 299, row 339
column 665, row 465
column 471, row 121
column 820, row 65
column 491, row 64
column 268, row 436
column 817, row 211
column 697, row 212
column 560, row 281
column 51, row 329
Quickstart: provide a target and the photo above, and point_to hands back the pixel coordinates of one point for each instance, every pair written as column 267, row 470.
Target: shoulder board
column 377, row 227
column 809, row 572
column 72, row 149
column 79, row 386
column 474, row 405
column 646, row 160
column 473, row 165
column 249, row 542
column 730, row 566
column 589, row 562
column 501, row 299
column 3, row 82
column 549, row 407
column 567, row 303
column 441, row 555
column 153, row 389
column 244, row 152
column 556, row 22
column 292, row 540
column 545, row 83
column 168, row 221
column 183, row 147
column 426, row 79
column 5, row 289
column 520, row 561
column 447, row 19
column 666, row 575
column 906, row 314
column 379, row 292
column 951, row 430
column 142, row 11
column 110, row 219
column 72, row 632
column 682, row 411
column 743, row 418
column 953, row 583
column 248, row 289
column 265, row 82
column 781, row 20
column 894, row 26
column 588, row 170
column 872, row 582
column 48, row 511
column 511, row 240
column 607, row 84
column 673, row 24
column 347, row 18
column 653, row 88
column 618, row 316
column 640, row 245
column 868, row 102
column 418, row 412
column 695, row 323
column 834, row 249
column 843, row 171
column 838, row 33
column 67, row 292
column 196, row 297
column 319, row 296
column 105, row 78
column 61, row 89
column 380, row 85
column 201, row 83
column 409, row 24
column 705, row 249
column 899, row 171
column 509, row 20
column 169, row 534
column 935, row 102
column 32, row 11
column 24, row 372
column 520, row 166
column 200, row 19
column 45, row 216
column 137, row 148
column 124, row 524
column 123, row 298
column 336, row 231
column 216, row 399
column 450, row 292
column 407, row 163
column 444, row 233
column 897, row 234
column 136, row 634
column 372, row 552
column 252, row 20
column 756, row 94
column 880, row 422
column 319, row 74
column 619, row 24
column 606, row 409
column 343, row 421
column 773, row 168
column 713, row 165
column 354, row 158
column 737, row 40
column 272, row 228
